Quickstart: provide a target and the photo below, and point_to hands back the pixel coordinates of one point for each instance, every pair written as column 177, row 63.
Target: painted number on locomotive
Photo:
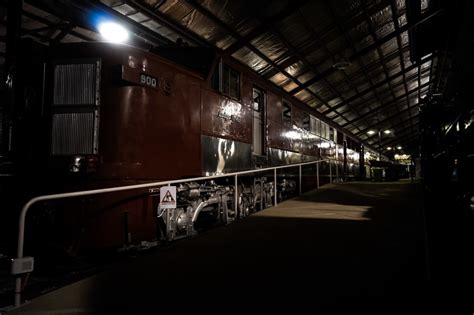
column 148, row 80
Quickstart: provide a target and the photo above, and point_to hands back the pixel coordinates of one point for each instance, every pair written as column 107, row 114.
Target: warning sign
column 168, row 197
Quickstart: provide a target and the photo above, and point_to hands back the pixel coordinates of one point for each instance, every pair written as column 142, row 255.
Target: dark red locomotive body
column 117, row 115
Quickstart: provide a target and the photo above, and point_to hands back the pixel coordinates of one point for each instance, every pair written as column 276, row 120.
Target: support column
column 14, row 12
column 275, row 185
column 317, row 175
column 300, row 179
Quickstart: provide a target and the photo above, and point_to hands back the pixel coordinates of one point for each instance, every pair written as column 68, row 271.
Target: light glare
column 113, row 32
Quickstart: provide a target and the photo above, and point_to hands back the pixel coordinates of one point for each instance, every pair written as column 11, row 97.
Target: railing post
column 236, row 197
column 275, row 186
column 18, row 291
column 300, row 179
column 330, row 172
column 317, row 175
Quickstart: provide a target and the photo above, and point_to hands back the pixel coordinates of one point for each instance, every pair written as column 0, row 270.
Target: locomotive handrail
column 26, row 207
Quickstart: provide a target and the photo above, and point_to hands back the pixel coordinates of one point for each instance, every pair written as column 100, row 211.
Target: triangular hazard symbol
column 168, row 197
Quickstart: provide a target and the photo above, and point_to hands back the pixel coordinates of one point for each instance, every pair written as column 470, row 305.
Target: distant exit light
column 113, row 32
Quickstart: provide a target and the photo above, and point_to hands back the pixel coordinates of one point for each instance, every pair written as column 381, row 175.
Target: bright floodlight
column 370, row 132
column 399, row 147
column 386, row 132
column 113, row 32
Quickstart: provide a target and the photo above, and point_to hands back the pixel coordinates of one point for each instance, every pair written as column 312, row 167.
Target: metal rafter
column 388, row 103
column 69, row 29
column 389, row 57
column 367, row 49
column 292, row 7
column 54, row 27
column 411, row 130
column 386, row 142
column 314, row 37
column 398, row 128
column 407, row 141
column 317, row 39
column 64, row 32
column 351, row 45
column 64, row 27
column 374, row 110
column 386, row 120
column 402, row 140
column 379, row 49
column 393, row 8
column 24, row 32
column 231, row 31
column 163, row 20
column 397, row 131
column 374, row 140
column 431, row 76
column 439, row 71
column 51, row 24
column 394, row 127
column 351, row 21
column 148, row 38
column 381, row 83
column 381, row 54
column 305, row 61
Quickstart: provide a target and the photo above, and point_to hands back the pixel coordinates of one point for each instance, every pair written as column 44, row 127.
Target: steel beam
column 292, row 7
column 163, row 20
column 365, row 50
column 371, row 101
column 387, row 119
column 381, row 83
column 410, row 131
column 395, row 138
column 375, row 110
column 232, row 32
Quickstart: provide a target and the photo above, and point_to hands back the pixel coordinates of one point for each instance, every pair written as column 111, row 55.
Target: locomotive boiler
column 110, row 115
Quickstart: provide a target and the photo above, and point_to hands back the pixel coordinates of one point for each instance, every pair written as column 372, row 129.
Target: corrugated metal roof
column 293, row 44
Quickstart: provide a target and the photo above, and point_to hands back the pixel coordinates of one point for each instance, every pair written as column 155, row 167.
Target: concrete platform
column 344, row 247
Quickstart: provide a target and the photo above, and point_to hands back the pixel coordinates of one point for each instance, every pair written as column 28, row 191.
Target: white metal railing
column 26, row 207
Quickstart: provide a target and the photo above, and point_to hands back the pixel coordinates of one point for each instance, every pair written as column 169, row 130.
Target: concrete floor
column 344, row 247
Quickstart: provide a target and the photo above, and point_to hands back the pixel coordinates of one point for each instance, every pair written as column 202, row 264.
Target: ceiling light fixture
column 113, row 32
column 342, row 65
column 399, row 147
column 387, row 132
column 371, row 132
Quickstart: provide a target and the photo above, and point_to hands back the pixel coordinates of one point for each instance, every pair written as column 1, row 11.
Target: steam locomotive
column 96, row 115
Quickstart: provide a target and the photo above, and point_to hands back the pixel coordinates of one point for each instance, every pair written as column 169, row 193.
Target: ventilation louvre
column 76, row 101
column 73, row 133
column 75, row 84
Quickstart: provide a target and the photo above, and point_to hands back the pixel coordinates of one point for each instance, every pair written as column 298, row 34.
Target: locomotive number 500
column 147, row 80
